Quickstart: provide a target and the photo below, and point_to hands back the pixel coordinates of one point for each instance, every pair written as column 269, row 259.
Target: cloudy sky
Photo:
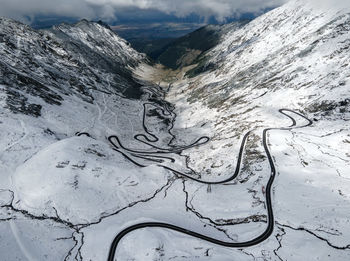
column 109, row 10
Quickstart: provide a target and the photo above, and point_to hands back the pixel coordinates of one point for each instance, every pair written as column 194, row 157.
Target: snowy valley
column 242, row 155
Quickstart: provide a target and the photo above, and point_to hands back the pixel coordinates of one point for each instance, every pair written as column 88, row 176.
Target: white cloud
column 106, row 9
column 24, row 9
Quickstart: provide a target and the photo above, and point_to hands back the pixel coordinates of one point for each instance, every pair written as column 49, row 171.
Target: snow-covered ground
column 294, row 57
column 64, row 197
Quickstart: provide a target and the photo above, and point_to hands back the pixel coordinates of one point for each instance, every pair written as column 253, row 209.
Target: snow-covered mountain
column 185, row 50
column 94, row 140
column 53, row 84
column 295, row 57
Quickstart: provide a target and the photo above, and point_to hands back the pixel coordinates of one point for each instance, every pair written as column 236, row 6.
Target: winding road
column 159, row 155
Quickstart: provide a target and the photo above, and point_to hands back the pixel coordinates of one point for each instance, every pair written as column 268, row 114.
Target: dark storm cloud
column 107, row 9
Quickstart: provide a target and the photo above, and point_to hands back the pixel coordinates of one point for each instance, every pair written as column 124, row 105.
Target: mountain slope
column 294, row 57
column 185, row 50
column 53, row 84
column 91, row 147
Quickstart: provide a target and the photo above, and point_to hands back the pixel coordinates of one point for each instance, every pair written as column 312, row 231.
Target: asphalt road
column 158, row 155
